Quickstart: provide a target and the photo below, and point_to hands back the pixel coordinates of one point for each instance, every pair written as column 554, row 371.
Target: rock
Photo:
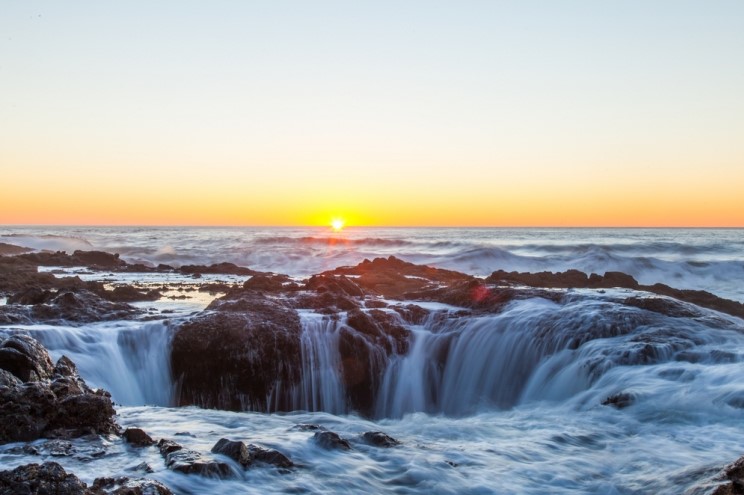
column 662, row 305
column 8, row 379
column 191, row 462
column 46, row 400
column 235, row 357
column 142, row 467
column 137, row 437
column 168, row 446
column 309, row 427
column 268, row 283
column 25, row 358
column 129, row 486
column 247, row 455
column 41, row 479
column 67, row 306
column 734, row 474
column 127, row 293
column 58, row 448
column 379, row 439
column 12, row 250
column 33, row 295
column 330, row 440
column 619, row 401
column 217, row 269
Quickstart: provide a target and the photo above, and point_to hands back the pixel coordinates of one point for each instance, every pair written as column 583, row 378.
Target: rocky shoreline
column 231, row 355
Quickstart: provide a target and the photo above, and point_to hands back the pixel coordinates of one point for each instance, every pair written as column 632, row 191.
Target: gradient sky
column 552, row 113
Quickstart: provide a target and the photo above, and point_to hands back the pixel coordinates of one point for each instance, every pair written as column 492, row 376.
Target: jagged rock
column 379, row 439
column 247, row 455
column 330, row 440
column 734, row 474
column 137, row 437
column 167, row 446
column 192, row 462
column 127, row 293
column 26, row 358
column 46, row 400
column 66, row 306
column 267, row 282
column 309, row 427
column 129, row 486
column 41, row 479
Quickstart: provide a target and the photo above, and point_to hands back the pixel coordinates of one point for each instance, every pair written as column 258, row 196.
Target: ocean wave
column 49, row 242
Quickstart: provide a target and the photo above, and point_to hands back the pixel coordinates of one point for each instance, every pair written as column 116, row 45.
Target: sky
column 470, row 113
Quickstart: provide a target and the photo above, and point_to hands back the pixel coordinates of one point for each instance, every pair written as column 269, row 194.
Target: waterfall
column 129, row 359
column 321, row 388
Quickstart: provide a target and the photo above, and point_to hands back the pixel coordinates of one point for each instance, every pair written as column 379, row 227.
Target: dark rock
column 12, row 250
column 330, row 440
column 191, row 462
column 393, row 277
column 137, row 437
column 734, row 475
column 8, row 379
column 662, row 305
column 129, row 486
column 58, row 448
column 52, row 401
column 68, row 306
column 168, row 446
column 217, row 269
column 41, row 479
column 246, row 455
column 309, row 427
column 33, row 295
column 142, row 467
column 26, row 358
column 268, row 283
column 619, row 401
column 379, row 439
column 339, row 285
column 235, row 358
column 127, row 293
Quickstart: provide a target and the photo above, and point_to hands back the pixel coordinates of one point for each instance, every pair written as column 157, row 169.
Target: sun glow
column 337, row 224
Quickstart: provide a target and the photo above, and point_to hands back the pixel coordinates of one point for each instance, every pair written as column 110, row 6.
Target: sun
column 337, row 224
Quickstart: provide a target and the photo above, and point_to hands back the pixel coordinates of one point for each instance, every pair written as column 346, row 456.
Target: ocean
column 490, row 404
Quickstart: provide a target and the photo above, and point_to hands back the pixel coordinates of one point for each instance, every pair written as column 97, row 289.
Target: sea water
column 507, row 403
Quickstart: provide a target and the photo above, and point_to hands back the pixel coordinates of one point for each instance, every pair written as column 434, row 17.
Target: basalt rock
column 217, row 269
column 192, row 462
column 46, row 400
column 379, row 439
column 734, row 476
column 235, row 356
column 64, row 306
column 128, row 486
column 41, row 479
column 331, row 441
column 137, row 437
column 12, row 249
column 393, row 278
column 247, row 455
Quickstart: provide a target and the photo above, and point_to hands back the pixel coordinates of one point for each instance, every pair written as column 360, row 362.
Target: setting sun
column 337, row 224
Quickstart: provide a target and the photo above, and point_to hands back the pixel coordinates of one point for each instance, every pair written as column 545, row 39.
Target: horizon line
column 381, row 226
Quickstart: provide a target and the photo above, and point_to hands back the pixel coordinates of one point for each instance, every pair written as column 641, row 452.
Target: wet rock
column 619, row 401
column 58, row 448
column 247, row 455
column 217, row 269
column 8, row 379
column 127, row 293
column 235, row 357
column 393, row 278
column 41, row 479
column 335, row 284
column 379, row 439
column 46, row 400
column 68, row 306
column 192, row 462
column 567, row 279
column 268, row 283
column 142, row 467
column 167, row 446
column 734, row 476
column 137, row 437
column 129, row 486
column 25, row 358
column 33, row 295
column 331, row 441
column 309, row 427
column 12, row 249
column 665, row 306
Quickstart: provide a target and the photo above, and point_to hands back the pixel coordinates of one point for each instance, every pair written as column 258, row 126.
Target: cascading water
column 321, row 387
column 129, row 359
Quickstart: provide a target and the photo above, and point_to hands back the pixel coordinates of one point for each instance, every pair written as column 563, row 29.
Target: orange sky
column 579, row 114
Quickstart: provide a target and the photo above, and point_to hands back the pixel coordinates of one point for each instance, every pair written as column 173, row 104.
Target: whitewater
column 499, row 403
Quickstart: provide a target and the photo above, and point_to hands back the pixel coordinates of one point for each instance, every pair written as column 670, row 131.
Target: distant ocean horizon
column 699, row 258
